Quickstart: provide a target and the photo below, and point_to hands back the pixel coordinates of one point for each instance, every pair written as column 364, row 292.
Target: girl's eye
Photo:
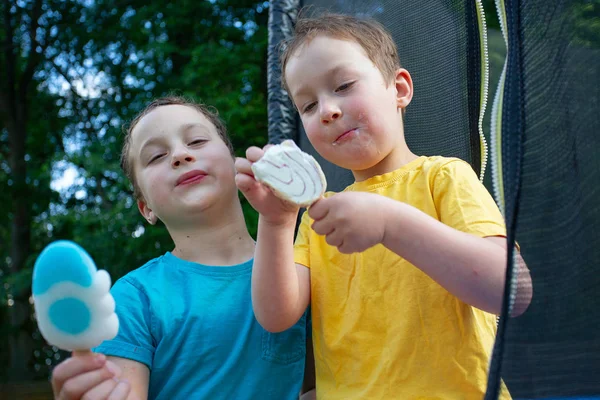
column 154, row 158
column 197, row 141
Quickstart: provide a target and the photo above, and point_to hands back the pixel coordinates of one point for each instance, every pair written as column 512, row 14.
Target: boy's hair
column 369, row 34
column 209, row 112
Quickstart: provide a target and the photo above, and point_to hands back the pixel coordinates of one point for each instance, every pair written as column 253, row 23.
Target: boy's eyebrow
column 333, row 71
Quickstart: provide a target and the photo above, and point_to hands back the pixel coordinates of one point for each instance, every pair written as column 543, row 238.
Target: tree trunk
column 20, row 341
column 13, row 111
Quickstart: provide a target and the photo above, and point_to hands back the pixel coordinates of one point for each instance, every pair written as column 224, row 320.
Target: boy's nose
column 330, row 114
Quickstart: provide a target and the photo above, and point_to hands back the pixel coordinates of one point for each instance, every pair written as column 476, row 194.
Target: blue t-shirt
column 193, row 326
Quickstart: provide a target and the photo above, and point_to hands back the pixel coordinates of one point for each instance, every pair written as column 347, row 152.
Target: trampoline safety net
column 547, row 148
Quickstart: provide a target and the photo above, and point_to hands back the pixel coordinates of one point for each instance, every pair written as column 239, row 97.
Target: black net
column 551, row 170
column 438, row 42
column 282, row 114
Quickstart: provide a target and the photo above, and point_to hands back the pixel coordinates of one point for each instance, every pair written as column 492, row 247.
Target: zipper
column 485, row 81
column 496, row 119
column 496, row 151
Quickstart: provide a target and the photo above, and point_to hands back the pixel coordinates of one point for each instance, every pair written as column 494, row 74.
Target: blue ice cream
column 74, row 308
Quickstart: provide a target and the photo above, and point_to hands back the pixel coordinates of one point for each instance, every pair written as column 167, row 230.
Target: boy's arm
column 524, row 291
column 470, row 267
column 280, row 288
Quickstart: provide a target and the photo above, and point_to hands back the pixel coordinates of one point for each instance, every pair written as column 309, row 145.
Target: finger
column 322, row 227
column 75, row 387
column 114, row 368
column 75, row 366
column 102, row 390
column 334, row 239
column 82, row 353
column 346, row 249
column 255, row 192
column 319, row 209
column 253, row 154
column 247, row 183
column 121, row 391
column 243, row 166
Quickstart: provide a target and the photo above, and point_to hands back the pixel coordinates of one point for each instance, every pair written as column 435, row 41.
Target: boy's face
column 181, row 165
column 351, row 115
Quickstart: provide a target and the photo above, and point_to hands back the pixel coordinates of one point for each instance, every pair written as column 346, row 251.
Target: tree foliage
column 71, row 74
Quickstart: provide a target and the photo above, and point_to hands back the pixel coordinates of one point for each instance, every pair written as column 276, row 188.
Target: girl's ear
column 146, row 212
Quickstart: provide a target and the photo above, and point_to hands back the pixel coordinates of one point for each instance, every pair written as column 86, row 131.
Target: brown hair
column 209, row 112
column 369, row 34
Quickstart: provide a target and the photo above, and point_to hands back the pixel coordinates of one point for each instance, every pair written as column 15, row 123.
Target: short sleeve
column 301, row 245
column 134, row 340
column 464, row 203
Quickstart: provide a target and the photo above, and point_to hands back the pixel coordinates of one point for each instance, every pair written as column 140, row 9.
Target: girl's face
column 181, row 165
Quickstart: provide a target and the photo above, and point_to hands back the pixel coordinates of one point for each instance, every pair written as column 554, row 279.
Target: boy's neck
column 220, row 239
column 397, row 158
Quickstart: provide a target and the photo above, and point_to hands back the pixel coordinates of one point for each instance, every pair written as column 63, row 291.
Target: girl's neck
column 221, row 239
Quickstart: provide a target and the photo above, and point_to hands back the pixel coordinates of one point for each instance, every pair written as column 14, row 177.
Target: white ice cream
column 292, row 174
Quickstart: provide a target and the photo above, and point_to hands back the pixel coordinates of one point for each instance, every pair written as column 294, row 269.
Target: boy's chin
column 356, row 163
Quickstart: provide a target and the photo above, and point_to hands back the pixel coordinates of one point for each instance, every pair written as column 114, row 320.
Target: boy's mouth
column 345, row 136
column 190, row 177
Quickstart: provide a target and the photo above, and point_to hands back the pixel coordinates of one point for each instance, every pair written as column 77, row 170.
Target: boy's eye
column 197, row 141
column 345, row 86
column 309, row 107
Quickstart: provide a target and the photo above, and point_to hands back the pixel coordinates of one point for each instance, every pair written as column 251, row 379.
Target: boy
column 405, row 268
column 187, row 329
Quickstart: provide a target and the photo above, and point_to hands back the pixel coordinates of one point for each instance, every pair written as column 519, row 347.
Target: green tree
column 72, row 72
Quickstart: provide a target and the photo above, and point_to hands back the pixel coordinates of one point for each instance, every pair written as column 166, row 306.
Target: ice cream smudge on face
column 292, row 174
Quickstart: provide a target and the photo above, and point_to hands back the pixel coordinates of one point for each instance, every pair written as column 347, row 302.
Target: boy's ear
column 404, row 88
column 147, row 212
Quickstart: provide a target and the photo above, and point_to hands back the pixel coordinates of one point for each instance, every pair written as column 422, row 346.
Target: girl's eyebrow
column 193, row 125
column 184, row 128
column 149, row 142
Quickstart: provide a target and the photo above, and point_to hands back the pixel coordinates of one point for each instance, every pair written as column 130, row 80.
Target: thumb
column 252, row 190
column 319, row 209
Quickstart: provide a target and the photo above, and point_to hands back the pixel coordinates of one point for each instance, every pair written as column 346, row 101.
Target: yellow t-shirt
column 382, row 329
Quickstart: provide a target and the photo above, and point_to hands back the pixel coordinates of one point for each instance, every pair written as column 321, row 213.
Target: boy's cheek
column 315, row 132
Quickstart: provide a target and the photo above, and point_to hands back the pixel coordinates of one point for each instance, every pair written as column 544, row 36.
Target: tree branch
column 62, row 73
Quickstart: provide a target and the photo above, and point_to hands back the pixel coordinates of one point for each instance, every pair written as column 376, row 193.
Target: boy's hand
column 271, row 208
column 88, row 376
column 351, row 221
